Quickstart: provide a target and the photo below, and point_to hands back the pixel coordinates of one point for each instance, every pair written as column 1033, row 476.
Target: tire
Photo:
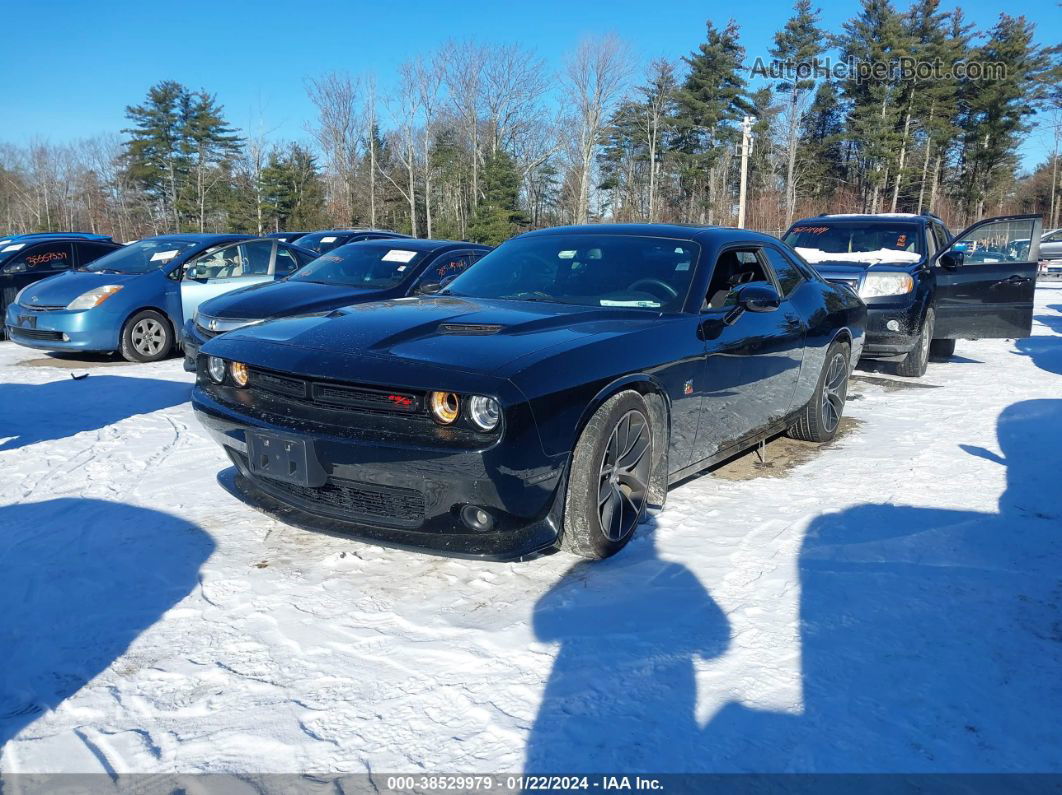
column 913, row 365
column 941, row 349
column 146, row 337
column 620, row 431
column 821, row 417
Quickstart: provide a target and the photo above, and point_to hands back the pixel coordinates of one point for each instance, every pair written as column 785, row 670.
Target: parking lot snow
column 892, row 603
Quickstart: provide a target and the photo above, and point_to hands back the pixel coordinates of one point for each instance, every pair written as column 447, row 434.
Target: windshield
column 320, row 242
column 370, row 266
column 147, row 255
column 587, row 270
column 819, row 241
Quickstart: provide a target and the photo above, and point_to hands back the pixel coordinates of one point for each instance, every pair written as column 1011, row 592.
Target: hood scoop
column 470, row 329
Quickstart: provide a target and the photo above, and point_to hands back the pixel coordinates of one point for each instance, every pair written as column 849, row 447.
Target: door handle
column 1012, row 281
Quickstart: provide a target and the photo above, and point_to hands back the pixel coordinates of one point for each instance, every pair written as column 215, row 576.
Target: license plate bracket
column 27, row 321
column 286, row 458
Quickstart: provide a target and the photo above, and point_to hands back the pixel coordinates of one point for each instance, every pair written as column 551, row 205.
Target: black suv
column 923, row 287
column 25, row 259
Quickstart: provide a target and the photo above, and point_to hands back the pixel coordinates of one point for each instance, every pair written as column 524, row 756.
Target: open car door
column 225, row 269
column 986, row 278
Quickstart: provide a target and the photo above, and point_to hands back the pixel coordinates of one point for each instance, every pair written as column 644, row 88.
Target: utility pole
column 746, row 148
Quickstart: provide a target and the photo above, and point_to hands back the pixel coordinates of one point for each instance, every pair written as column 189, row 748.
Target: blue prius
column 133, row 299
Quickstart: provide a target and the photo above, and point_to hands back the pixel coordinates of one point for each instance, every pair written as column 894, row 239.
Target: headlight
column 445, row 406
column 876, row 285
column 216, row 368
column 94, row 297
column 484, row 412
column 239, row 373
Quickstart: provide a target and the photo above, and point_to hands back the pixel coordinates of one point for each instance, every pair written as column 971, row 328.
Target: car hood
column 859, row 262
column 60, row 290
column 280, row 299
column 469, row 335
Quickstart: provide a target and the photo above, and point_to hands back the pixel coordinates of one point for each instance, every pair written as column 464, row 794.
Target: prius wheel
column 147, row 337
column 913, row 365
column 608, row 483
column 821, row 417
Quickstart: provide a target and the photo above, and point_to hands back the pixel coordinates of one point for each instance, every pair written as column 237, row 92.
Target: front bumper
column 59, row 330
column 397, row 493
column 883, row 342
column 191, row 342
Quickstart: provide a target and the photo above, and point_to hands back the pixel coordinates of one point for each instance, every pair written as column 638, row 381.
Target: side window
column 286, row 261
column 256, row 256
column 785, row 271
column 87, row 252
column 941, row 236
column 733, row 269
column 445, row 267
column 222, row 263
column 1004, row 240
column 41, row 258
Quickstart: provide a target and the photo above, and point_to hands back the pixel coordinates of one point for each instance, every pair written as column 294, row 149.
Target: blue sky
column 69, row 68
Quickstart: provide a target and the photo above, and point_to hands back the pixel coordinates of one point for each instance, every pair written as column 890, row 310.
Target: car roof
column 419, row 244
column 44, row 236
column 352, row 230
column 202, row 238
column 704, row 234
column 868, row 217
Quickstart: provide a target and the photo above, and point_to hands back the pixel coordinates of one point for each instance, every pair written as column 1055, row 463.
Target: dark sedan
column 546, row 398
column 351, row 274
column 327, row 239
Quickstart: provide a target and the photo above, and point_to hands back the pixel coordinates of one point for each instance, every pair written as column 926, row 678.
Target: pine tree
column 997, row 108
column 873, row 43
column 497, row 214
column 292, row 189
column 711, row 103
column 821, row 160
column 179, row 149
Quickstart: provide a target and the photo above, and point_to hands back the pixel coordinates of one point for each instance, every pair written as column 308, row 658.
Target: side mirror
column 428, row 288
column 950, row 259
column 759, row 298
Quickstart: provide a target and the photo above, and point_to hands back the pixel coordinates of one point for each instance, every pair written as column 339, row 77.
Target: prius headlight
column 94, row 297
column 484, row 412
column 877, row 285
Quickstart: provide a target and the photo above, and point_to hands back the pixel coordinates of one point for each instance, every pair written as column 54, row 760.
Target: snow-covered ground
column 891, row 604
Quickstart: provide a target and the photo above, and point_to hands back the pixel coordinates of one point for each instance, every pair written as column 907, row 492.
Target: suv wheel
column 942, row 349
column 913, row 365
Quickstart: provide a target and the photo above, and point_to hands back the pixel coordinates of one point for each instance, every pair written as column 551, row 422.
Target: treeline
column 898, row 111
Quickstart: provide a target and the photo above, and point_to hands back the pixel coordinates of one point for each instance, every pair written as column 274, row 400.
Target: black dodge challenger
column 545, row 399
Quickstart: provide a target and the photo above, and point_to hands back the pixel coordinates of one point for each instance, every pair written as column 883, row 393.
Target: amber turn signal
column 445, row 406
column 240, row 374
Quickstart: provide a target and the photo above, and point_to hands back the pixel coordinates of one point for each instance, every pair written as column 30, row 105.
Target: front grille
column 279, row 384
column 349, row 499
column 330, row 395
column 39, row 334
column 359, row 398
column 49, row 308
column 205, row 333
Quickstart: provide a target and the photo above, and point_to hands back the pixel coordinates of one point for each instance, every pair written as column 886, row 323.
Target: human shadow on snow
column 930, row 641
column 621, row 695
column 31, row 413
column 80, row 580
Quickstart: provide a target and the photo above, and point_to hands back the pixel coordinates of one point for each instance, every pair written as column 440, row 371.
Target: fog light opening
column 893, row 325
column 477, row 518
